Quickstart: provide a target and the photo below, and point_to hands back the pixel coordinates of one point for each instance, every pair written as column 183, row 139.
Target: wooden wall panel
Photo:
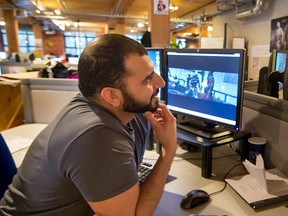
column 11, row 106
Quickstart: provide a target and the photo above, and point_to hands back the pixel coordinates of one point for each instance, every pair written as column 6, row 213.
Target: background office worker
column 85, row 161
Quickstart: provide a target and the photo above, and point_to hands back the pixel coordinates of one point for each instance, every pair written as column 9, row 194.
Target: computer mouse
column 194, row 198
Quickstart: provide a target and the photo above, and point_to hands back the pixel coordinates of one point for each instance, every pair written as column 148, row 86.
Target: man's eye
column 149, row 79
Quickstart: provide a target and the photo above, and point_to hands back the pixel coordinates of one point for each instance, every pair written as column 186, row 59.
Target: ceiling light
column 75, row 24
column 38, row 11
column 172, row 6
column 209, row 28
column 2, row 23
column 57, row 12
column 140, row 25
column 67, row 23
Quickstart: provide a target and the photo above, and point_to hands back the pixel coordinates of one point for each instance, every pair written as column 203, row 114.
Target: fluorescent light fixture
column 140, row 25
column 57, row 12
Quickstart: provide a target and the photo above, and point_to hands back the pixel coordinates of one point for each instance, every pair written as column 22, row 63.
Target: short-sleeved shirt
column 85, row 154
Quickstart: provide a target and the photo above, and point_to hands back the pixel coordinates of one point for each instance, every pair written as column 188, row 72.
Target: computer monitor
column 278, row 60
column 277, row 68
column 206, row 87
column 156, row 56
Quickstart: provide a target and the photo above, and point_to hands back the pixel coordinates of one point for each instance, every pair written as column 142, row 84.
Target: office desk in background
column 26, row 131
column 184, row 176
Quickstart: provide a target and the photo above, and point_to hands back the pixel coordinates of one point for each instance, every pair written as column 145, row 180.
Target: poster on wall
column 161, row 7
column 279, row 34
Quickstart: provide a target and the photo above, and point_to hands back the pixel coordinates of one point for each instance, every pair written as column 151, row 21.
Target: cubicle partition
column 44, row 98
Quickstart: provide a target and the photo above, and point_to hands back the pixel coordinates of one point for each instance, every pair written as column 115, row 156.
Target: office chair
column 274, row 78
column 285, row 85
column 263, row 79
column 7, row 166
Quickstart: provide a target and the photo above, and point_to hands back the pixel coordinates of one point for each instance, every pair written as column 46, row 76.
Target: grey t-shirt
column 85, row 154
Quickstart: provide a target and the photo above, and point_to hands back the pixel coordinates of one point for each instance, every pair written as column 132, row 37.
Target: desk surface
column 184, row 176
column 29, row 131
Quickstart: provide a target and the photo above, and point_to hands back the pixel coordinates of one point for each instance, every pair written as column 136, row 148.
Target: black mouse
column 194, row 198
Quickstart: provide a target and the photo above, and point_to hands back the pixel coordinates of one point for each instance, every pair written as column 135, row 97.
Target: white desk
column 29, row 131
column 184, row 176
column 187, row 176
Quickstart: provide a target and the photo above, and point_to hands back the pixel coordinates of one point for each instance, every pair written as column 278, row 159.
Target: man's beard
column 134, row 106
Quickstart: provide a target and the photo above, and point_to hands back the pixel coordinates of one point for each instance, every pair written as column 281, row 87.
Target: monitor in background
column 278, row 60
column 277, row 68
column 3, row 55
column 156, row 56
column 206, row 87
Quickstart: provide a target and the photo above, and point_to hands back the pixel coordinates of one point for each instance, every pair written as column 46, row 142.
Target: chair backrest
column 7, row 166
column 285, row 84
column 274, row 78
column 263, row 79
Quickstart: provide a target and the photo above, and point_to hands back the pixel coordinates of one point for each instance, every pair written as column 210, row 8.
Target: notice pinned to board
column 161, row 7
column 260, row 51
column 212, row 42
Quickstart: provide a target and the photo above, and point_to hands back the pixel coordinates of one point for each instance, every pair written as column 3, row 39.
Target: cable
column 225, row 183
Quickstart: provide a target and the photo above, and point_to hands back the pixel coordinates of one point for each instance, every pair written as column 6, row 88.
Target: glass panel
column 69, row 41
column 82, row 42
column 92, row 35
column 23, row 50
column 22, row 40
column 4, row 37
column 31, row 49
column 71, row 51
column 31, row 40
column 69, row 33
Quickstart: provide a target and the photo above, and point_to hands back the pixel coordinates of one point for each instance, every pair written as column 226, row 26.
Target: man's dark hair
column 102, row 63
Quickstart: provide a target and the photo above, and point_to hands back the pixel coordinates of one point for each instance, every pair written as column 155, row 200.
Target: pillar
column 120, row 28
column 37, row 29
column 11, row 30
column 159, row 24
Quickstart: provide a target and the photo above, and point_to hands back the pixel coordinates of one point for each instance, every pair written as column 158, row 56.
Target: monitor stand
column 210, row 131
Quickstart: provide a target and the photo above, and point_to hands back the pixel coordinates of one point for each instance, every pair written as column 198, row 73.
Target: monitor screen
column 278, row 58
column 206, row 84
column 156, row 56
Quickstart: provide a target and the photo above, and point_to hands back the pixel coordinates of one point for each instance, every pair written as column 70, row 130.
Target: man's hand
column 164, row 126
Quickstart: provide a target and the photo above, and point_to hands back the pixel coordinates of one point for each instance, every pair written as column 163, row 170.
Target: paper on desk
column 257, row 171
column 18, row 143
column 249, row 189
column 259, row 184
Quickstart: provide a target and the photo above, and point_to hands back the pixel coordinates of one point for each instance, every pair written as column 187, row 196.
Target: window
column 26, row 41
column 75, row 42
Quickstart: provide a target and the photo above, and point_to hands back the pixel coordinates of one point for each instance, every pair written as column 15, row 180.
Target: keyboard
column 144, row 171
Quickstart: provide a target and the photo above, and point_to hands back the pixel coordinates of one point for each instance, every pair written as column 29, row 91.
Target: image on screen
column 280, row 63
column 207, row 84
column 278, row 60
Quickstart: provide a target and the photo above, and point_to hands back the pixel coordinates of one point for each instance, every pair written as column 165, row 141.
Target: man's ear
column 111, row 96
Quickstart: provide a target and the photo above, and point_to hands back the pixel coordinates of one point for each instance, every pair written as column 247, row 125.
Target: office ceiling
column 94, row 15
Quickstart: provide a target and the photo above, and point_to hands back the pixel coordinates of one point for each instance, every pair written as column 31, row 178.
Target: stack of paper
column 260, row 187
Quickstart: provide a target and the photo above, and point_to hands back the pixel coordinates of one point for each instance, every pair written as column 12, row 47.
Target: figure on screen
column 208, row 88
column 194, row 86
